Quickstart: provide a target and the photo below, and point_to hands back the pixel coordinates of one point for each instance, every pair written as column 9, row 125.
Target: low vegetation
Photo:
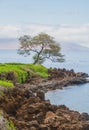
column 7, row 84
column 10, row 125
column 17, row 72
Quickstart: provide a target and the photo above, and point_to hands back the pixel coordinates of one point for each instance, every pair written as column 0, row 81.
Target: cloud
column 62, row 33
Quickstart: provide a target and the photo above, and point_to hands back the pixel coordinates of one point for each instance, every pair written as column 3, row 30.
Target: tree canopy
column 44, row 47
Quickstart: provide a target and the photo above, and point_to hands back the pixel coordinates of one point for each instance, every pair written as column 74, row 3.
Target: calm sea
column 78, row 60
column 77, row 97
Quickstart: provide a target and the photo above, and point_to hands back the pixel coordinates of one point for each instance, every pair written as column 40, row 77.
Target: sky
column 66, row 20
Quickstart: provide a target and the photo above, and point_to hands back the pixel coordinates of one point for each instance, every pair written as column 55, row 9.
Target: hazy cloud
column 62, row 33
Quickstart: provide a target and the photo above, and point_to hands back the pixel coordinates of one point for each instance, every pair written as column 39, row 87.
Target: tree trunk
column 36, row 61
column 38, row 55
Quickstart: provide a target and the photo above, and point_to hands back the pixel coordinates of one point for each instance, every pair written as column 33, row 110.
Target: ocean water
column 7, row 56
column 78, row 60
column 75, row 97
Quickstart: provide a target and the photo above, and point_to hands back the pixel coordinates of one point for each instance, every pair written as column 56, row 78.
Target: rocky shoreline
column 58, row 79
column 26, row 107
column 33, row 112
column 54, row 84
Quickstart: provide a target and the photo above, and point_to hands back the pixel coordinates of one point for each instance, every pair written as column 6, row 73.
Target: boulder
column 84, row 116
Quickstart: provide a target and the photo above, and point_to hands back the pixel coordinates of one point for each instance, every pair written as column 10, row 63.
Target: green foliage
column 2, row 94
column 44, row 47
column 39, row 69
column 7, row 84
column 10, row 125
column 21, row 72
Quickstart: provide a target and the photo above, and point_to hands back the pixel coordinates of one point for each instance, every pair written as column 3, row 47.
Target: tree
column 44, row 47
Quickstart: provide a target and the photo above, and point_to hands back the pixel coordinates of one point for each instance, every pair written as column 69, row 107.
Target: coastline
column 33, row 112
column 58, row 79
column 26, row 107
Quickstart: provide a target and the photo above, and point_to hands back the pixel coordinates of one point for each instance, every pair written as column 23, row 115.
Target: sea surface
column 75, row 97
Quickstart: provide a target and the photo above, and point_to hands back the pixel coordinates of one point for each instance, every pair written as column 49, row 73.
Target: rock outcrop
column 30, row 112
column 55, row 84
column 3, row 121
column 63, row 73
column 58, row 78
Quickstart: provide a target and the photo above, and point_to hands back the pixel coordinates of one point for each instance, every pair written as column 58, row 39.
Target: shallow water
column 74, row 97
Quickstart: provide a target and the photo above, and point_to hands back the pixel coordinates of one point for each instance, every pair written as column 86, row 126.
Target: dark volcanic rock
column 58, row 78
column 41, row 94
column 84, row 116
column 56, row 84
column 81, row 74
column 63, row 73
column 31, row 113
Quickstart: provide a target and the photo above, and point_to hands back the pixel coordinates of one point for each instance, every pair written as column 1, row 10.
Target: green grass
column 21, row 72
column 10, row 125
column 2, row 94
column 40, row 70
column 7, row 84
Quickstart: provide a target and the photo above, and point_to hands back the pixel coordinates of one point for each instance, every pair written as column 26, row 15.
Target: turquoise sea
column 75, row 97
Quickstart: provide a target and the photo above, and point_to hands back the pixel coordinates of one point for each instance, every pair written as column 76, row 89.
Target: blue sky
column 66, row 20
column 44, row 11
